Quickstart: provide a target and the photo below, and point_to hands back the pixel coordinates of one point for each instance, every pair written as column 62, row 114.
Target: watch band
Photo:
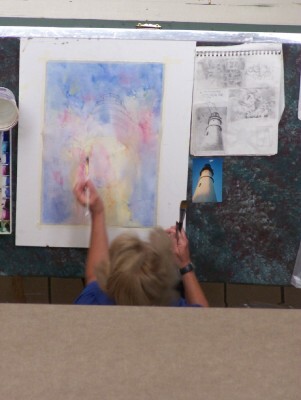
column 188, row 268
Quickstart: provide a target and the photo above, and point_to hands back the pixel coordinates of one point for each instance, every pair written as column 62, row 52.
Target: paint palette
column 5, row 182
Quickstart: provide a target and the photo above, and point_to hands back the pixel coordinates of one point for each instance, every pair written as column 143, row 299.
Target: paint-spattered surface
column 251, row 237
column 254, row 234
column 21, row 260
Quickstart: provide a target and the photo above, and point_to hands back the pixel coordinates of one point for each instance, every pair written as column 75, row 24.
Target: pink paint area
column 82, row 171
column 89, row 98
column 71, row 124
column 125, row 130
column 101, row 168
column 58, row 178
column 5, row 214
column 125, row 80
column 65, row 117
column 75, row 153
column 145, row 126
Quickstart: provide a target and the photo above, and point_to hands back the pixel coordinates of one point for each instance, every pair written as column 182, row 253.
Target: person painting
column 132, row 271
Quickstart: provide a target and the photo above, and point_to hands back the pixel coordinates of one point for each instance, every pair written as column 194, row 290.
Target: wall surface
column 268, row 12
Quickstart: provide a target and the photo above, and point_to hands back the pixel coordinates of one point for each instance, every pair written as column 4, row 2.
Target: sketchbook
column 238, row 99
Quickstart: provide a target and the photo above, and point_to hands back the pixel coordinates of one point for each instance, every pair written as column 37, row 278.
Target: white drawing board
column 177, row 59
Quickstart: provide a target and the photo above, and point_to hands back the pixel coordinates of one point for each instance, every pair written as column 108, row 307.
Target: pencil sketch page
column 104, row 109
column 238, row 99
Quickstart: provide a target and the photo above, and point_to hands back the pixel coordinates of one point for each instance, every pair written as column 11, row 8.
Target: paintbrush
column 87, row 189
column 183, row 207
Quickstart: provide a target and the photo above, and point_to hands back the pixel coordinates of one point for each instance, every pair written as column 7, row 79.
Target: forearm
column 193, row 291
column 99, row 247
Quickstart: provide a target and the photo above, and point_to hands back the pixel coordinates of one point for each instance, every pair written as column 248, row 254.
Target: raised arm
column 99, row 247
column 193, row 291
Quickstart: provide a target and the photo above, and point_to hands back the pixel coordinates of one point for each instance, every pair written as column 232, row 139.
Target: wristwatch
column 188, row 268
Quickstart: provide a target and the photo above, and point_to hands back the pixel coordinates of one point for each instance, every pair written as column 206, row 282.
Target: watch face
column 186, row 269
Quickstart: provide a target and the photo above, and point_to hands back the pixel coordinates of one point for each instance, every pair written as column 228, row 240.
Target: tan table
column 86, row 352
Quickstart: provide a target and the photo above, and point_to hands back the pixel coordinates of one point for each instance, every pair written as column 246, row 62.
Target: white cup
column 9, row 113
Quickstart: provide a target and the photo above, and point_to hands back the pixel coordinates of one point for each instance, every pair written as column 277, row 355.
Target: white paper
column 238, row 100
column 178, row 60
column 296, row 276
column 299, row 102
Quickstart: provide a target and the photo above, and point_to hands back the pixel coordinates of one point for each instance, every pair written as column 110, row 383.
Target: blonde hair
column 140, row 272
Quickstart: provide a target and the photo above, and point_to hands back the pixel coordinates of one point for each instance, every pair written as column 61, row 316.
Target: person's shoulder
column 92, row 294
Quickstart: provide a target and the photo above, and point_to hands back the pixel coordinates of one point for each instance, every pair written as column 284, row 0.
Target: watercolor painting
column 109, row 113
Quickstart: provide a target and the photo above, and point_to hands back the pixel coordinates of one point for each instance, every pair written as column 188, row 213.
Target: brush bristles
column 183, row 207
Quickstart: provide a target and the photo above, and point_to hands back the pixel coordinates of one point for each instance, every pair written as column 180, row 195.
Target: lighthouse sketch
column 205, row 192
column 208, row 129
column 213, row 139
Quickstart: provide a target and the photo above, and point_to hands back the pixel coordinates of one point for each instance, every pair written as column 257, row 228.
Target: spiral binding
column 237, row 53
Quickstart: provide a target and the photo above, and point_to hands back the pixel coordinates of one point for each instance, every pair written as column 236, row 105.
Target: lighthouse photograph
column 207, row 180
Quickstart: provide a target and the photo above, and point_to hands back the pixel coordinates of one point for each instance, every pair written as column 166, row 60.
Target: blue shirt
column 93, row 295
